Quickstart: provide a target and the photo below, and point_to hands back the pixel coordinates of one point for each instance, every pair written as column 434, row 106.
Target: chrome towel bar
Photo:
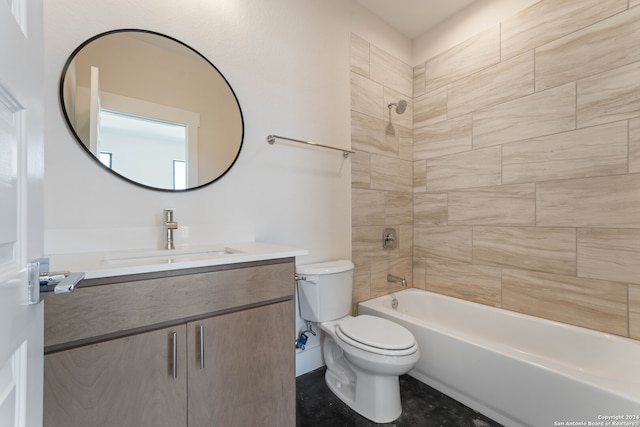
column 272, row 138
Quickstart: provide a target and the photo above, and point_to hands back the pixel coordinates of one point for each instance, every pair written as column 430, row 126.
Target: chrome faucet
column 396, row 279
column 169, row 225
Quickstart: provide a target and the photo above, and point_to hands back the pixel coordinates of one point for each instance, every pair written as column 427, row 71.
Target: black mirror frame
column 94, row 158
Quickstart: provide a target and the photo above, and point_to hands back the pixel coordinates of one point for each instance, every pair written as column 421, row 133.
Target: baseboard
column 308, row 360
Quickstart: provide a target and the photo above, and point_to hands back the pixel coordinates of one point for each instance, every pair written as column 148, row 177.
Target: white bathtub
column 516, row 369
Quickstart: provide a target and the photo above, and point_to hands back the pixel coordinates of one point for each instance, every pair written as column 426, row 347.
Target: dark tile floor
column 422, row 406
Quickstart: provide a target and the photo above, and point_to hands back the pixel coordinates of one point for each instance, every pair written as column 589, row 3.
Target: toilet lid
column 376, row 332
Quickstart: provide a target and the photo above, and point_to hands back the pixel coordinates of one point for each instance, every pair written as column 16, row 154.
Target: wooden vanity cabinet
column 256, row 347
column 234, row 366
column 121, row 382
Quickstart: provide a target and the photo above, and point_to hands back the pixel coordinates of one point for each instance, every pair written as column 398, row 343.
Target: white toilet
column 364, row 354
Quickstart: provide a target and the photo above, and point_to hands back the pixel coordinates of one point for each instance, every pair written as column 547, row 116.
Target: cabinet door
column 248, row 377
column 123, row 382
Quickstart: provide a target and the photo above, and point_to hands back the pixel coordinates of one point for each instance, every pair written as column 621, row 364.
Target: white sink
column 166, row 255
column 97, row 265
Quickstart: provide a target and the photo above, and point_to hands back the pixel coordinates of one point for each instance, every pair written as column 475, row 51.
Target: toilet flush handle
column 309, row 279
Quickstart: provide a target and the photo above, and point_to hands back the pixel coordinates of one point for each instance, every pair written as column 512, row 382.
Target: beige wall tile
column 548, row 20
column 499, row 83
column 596, row 151
column 477, row 168
column 474, row 54
column 390, row 71
column 430, row 108
column 367, row 96
column 361, row 283
column 609, row 254
column 360, row 170
column 401, row 267
column 366, row 245
column 382, row 183
column 610, row 96
column 438, row 256
column 634, row 145
column 359, row 52
column 405, row 244
column 550, row 250
column 391, row 174
column 367, row 134
column 582, row 302
column 367, row 207
column 612, row 201
column 398, row 208
column 478, row 283
column 634, row 309
column 405, row 143
column 419, row 273
column 534, row 115
column 420, row 176
column 633, row 3
column 443, row 241
column 592, row 50
column 430, row 208
column 418, row 80
column 440, row 139
column 501, row 205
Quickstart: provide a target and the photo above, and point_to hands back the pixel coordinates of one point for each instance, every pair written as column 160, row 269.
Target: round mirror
column 152, row 110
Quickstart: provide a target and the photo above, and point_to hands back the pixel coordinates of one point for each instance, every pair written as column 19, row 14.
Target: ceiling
column 414, row 17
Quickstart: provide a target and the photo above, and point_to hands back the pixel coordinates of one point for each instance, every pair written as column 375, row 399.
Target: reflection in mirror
column 152, row 110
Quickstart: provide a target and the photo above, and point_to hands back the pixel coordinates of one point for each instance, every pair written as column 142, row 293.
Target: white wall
column 288, row 63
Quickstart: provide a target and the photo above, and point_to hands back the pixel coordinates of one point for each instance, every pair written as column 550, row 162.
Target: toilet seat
column 376, row 335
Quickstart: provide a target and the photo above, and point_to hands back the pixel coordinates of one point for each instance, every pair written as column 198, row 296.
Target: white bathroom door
column 21, row 210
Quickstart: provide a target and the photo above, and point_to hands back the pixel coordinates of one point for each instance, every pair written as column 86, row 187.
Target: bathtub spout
column 396, row 279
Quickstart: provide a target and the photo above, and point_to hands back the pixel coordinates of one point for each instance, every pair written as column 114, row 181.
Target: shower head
column 401, row 106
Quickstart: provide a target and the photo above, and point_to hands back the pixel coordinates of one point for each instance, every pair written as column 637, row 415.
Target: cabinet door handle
column 174, row 373
column 201, row 347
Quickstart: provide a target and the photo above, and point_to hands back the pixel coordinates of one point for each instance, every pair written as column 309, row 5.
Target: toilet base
column 376, row 398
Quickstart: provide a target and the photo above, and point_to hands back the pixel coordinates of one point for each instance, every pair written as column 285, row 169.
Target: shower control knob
column 389, row 238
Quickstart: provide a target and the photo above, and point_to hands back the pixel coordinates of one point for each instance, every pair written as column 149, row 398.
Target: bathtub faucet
column 396, row 279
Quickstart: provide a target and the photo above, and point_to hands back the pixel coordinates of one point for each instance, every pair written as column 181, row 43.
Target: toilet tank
column 324, row 290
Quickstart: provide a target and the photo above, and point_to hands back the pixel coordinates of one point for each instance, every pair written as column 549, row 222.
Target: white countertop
column 118, row 263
